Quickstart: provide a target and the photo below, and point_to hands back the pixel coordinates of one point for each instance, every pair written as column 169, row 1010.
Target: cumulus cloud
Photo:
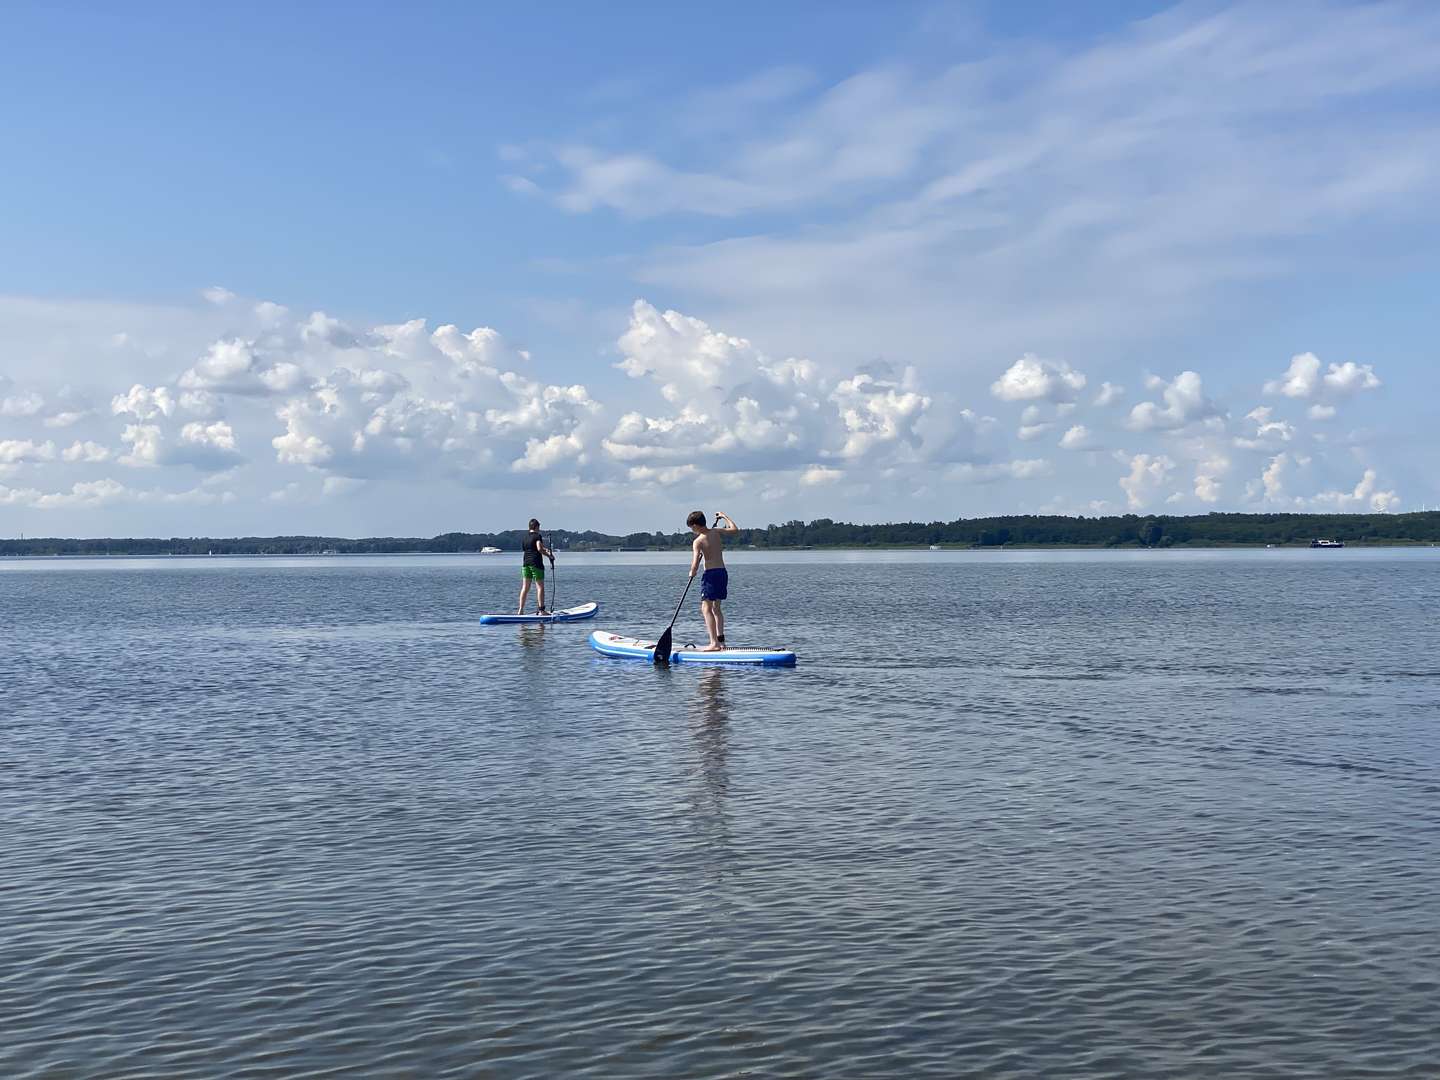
column 1033, row 379
column 1304, row 381
column 1109, row 394
column 236, row 366
column 1183, row 402
column 143, row 402
column 458, row 409
column 217, row 295
column 207, row 447
column 1148, row 475
column 23, row 404
column 820, row 474
column 1078, row 437
column 1208, row 473
column 88, row 453
column 728, row 399
column 1366, row 495
column 20, row 451
column 1267, row 432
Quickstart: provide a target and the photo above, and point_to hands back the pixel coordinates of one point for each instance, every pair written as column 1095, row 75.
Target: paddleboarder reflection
column 712, row 731
column 532, row 635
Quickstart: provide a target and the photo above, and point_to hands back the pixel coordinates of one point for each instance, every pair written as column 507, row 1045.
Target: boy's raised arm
column 730, row 526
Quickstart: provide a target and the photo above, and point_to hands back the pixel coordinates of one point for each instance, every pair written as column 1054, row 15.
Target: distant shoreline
column 1015, row 532
column 919, row 549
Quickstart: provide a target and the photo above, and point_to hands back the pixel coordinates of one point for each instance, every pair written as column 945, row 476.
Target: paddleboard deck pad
column 628, row 648
column 573, row 614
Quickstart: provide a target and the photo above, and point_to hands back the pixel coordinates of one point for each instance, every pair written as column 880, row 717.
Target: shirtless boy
column 714, row 586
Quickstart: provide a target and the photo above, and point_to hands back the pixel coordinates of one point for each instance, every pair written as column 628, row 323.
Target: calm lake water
column 1020, row 814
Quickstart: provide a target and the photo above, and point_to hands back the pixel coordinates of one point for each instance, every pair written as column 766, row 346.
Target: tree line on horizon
column 1129, row 530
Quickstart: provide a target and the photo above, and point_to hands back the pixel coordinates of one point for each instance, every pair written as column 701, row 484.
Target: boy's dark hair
column 697, row 517
column 534, row 525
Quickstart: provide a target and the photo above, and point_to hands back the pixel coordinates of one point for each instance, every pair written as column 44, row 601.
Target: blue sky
column 870, row 262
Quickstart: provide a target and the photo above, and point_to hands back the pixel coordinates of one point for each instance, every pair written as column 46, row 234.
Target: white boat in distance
column 491, row 551
column 1327, row 543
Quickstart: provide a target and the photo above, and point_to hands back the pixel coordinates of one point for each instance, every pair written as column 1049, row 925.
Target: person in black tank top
column 532, row 568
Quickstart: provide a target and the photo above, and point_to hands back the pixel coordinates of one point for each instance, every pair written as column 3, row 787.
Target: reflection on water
column 710, row 723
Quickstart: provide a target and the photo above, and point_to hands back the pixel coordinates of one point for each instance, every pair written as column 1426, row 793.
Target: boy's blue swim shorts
column 715, row 584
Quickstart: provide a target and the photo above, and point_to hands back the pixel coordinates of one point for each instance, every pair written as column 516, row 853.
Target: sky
column 352, row 269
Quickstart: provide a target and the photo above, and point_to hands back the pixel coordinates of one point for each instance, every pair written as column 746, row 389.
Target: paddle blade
column 662, row 648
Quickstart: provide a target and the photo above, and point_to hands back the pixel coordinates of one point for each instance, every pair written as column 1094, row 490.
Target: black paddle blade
column 662, row 648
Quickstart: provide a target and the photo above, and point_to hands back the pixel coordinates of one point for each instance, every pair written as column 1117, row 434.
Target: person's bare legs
column 719, row 623
column 540, row 593
column 709, row 608
column 524, row 593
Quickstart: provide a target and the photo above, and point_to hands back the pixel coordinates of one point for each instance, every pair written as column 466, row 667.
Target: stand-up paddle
column 554, row 578
column 662, row 647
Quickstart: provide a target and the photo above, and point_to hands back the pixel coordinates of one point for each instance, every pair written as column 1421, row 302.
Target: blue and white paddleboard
column 629, row 648
column 572, row 614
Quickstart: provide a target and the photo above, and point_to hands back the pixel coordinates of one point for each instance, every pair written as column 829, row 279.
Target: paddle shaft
column 554, row 577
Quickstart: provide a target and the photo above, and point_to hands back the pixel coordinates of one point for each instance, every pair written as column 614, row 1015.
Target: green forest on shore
column 1129, row 530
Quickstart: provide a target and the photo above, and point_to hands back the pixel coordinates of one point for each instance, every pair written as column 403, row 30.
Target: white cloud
column 26, row 404
column 820, row 474
column 994, row 472
column 1184, row 403
column 207, row 447
column 1078, row 437
column 1109, row 394
column 19, row 451
column 1033, row 379
column 1273, row 478
column 1148, row 474
column 87, row 452
column 1304, row 381
column 143, row 402
column 66, row 419
column 218, row 435
column 1208, row 474
column 727, row 399
column 543, row 454
column 321, row 328
column 645, row 474
column 236, row 366
column 217, row 295
column 145, row 442
column 1366, row 495
column 1268, row 432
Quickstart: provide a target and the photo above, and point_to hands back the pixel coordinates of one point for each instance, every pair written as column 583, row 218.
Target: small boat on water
column 1327, row 543
column 490, row 551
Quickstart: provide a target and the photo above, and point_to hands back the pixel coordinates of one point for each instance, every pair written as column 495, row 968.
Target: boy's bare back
column 710, row 546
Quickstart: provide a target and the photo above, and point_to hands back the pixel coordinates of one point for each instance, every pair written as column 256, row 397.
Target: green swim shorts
column 532, row 573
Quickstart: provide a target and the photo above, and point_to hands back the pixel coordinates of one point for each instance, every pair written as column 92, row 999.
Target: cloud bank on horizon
column 287, row 409
column 920, row 289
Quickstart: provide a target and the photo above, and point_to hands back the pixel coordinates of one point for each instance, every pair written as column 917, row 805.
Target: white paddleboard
column 628, row 648
column 573, row 614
